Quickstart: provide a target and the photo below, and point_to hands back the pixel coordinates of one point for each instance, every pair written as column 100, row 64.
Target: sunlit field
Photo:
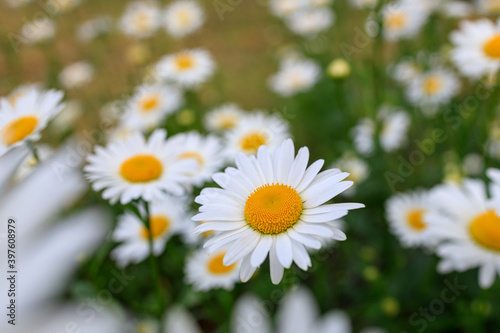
column 290, row 166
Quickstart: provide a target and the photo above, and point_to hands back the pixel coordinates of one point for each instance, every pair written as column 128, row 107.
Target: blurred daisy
column 90, row 29
column 141, row 19
column 319, row 3
column 358, row 170
column 188, row 68
column 406, row 216
column 17, row 3
column 272, row 204
column 151, row 104
column 183, row 17
column 456, row 9
column 393, row 134
column 206, row 150
column 224, row 117
column 283, row 8
column 473, row 164
column 122, row 132
column 38, row 31
column 68, row 117
column 488, row 6
column 207, row 271
column 295, row 76
column 309, row 22
column 477, row 48
column 403, row 19
column 61, row 6
column 76, row 75
column 25, row 120
column 167, row 218
column 433, row 88
column 406, row 71
column 466, row 223
column 138, row 168
column 363, row 134
column 364, row 4
column 254, row 130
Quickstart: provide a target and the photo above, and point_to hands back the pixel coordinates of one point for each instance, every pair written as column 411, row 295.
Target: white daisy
column 38, row 31
column 295, row 76
column 207, row 271
column 183, row 17
column 61, row 6
column 206, row 150
column 468, row 226
column 188, row 68
column 363, row 134
column 167, row 218
column 135, row 168
column 406, row 216
column 77, row 75
column 403, row 19
column 283, row 8
column 406, row 71
column 364, row 4
column 254, row 130
column 433, row 88
column 309, row 22
column 358, row 170
column 151, row 104
column 25, row 120
column 456, row 9
column 272, row 204
column 141, row 19
column 473, row 164
column 224, row 117
column 477, row 48
column 395, row 124
column 90, row 29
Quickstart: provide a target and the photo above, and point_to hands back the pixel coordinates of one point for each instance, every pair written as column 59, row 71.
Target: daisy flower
column 295, row 76
column 456, row 9
column 206, row 150
column 364, row 4
column 90, row 29
column 182, row 18
column 38, row 31
column 477, row 48
column 254, row 130
column 309, row 22
column 207, row 271
column 403, row 19
column 141, row 19
column 433, row 88
column 77, row 75
column 283, row 8
column 406, row 71
column 151, row 104
column 395, row 124
column 25, row 120
column 138, row 168
column 224, row 117
column 61, row 6
column 272, row 204
column 466, row 223
column 363, row 134
column 358, row 169
column 406, row 216
column 188, row 68
column 167, row 217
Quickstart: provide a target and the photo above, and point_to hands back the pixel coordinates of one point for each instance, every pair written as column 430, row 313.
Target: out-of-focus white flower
column 473, row 164
column 30, row 164
column 68, row 116
column 395, row 124
column 339, row 68
column 224, row 117
column 141, row 19
column 283, row 8
column 188, row 68
column 406, row 71
column 403, row 19
column 179, row 320
column 38, row 31
column 61, row 6
column 90, row 29
column 456, row 9
column 363, row 134
column 309, row 22
column 17, row 3
column 357, row 168
column 77, row 75
column 182, row 18
column 364, row 4
column 295, row 76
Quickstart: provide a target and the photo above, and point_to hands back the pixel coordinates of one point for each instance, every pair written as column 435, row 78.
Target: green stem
column 34, row 152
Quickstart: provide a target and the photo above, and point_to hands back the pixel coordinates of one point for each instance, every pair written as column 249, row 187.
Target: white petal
column 284, row 250
column 261, row 251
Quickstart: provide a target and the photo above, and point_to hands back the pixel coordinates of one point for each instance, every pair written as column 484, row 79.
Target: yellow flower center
column 395, row 20
column 415, row 219
column 485, row 229
column 18, row 129
column 184, row 61
column 227, row 122
column 273, row 208
column 432, row 85
column 192, row 154
column 492, row 47
column 158, row 225
column 215, row 264
column 150, row 103
column 141, row 169
column 142, row 21
column 251, row 142
column 184, row 17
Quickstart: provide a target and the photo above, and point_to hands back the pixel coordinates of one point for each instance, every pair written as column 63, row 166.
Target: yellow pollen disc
column 184, row 17
column 395, row 20
column 273, row 208
column 415, row 220
column 142, row 21
column 193, row 155
column 227, row 122
column 432, row 85
column 485, row 229
column 492, row 47
column 215, row 264
column 18, row 129
column 158, row 225
column 252, row 141
column 141, row 169
column 149, row 103
column 184, row 61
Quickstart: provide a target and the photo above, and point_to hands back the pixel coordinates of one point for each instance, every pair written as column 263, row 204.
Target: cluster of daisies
column 460, row 222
